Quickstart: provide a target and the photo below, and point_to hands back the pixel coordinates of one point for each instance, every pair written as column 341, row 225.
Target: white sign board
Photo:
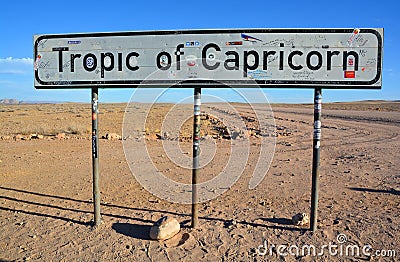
column 328, row 58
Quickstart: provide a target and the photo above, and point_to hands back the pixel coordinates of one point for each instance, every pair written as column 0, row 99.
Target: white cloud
column 11, row 60
column 14, row 66
column 11, row 71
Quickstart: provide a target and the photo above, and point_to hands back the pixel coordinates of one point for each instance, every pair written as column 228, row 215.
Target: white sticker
column 107, row 61
column 197, row 101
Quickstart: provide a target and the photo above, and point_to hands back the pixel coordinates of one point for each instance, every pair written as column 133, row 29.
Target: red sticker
column 234, row 43
column 349, row 74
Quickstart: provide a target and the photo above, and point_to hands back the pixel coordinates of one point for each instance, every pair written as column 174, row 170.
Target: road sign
column 328, row 58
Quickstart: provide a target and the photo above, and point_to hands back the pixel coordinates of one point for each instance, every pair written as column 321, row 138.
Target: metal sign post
column 315, row 159
column 95, row 157
column 196, row 155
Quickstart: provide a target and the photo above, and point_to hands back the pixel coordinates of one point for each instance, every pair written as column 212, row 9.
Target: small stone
column 336, row 221
column 60, row 136
column 165, row 228
column 166, row 136
column 113, row 136
column 230, row 224
column 35, row 136
column 20, row 137
column 235, row 135
column 154, row 200
column 300, row 219
column 152, row 137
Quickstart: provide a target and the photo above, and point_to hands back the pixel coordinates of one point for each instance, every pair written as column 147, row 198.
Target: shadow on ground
column 133, row 230
column 373, row 190
column 280, row 221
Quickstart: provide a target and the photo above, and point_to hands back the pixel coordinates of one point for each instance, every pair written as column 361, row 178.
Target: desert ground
column 46, row 204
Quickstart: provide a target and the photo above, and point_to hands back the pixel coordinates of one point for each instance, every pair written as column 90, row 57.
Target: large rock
column 165, row 228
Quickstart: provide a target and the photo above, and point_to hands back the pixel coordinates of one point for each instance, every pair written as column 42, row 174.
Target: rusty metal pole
column 316, row 158
column 196, row 153
column 95, row 157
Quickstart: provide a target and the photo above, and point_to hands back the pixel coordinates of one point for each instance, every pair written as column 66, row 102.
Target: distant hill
column 11, row 101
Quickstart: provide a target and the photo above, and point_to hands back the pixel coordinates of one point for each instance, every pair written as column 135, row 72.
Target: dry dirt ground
column 46, row 201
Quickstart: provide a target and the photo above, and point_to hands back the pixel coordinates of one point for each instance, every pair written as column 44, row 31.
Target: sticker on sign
column 329, row 58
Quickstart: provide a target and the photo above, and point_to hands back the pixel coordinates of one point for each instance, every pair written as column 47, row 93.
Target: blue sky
column 20, row 20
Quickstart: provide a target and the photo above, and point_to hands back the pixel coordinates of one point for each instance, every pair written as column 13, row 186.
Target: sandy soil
column 46, row 201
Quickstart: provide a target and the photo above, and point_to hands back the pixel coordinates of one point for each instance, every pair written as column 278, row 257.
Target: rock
column 300, row 219
column 166, row 136
column 5, row 138
column 60, row 136
column 230, row 224
column 227, row 136
column 152, row 137
column 154, row 200
column 165, row 228
column 336, row 221
column 36, row 136
column 235, row 135
column 20, row 137
column 113, row 136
